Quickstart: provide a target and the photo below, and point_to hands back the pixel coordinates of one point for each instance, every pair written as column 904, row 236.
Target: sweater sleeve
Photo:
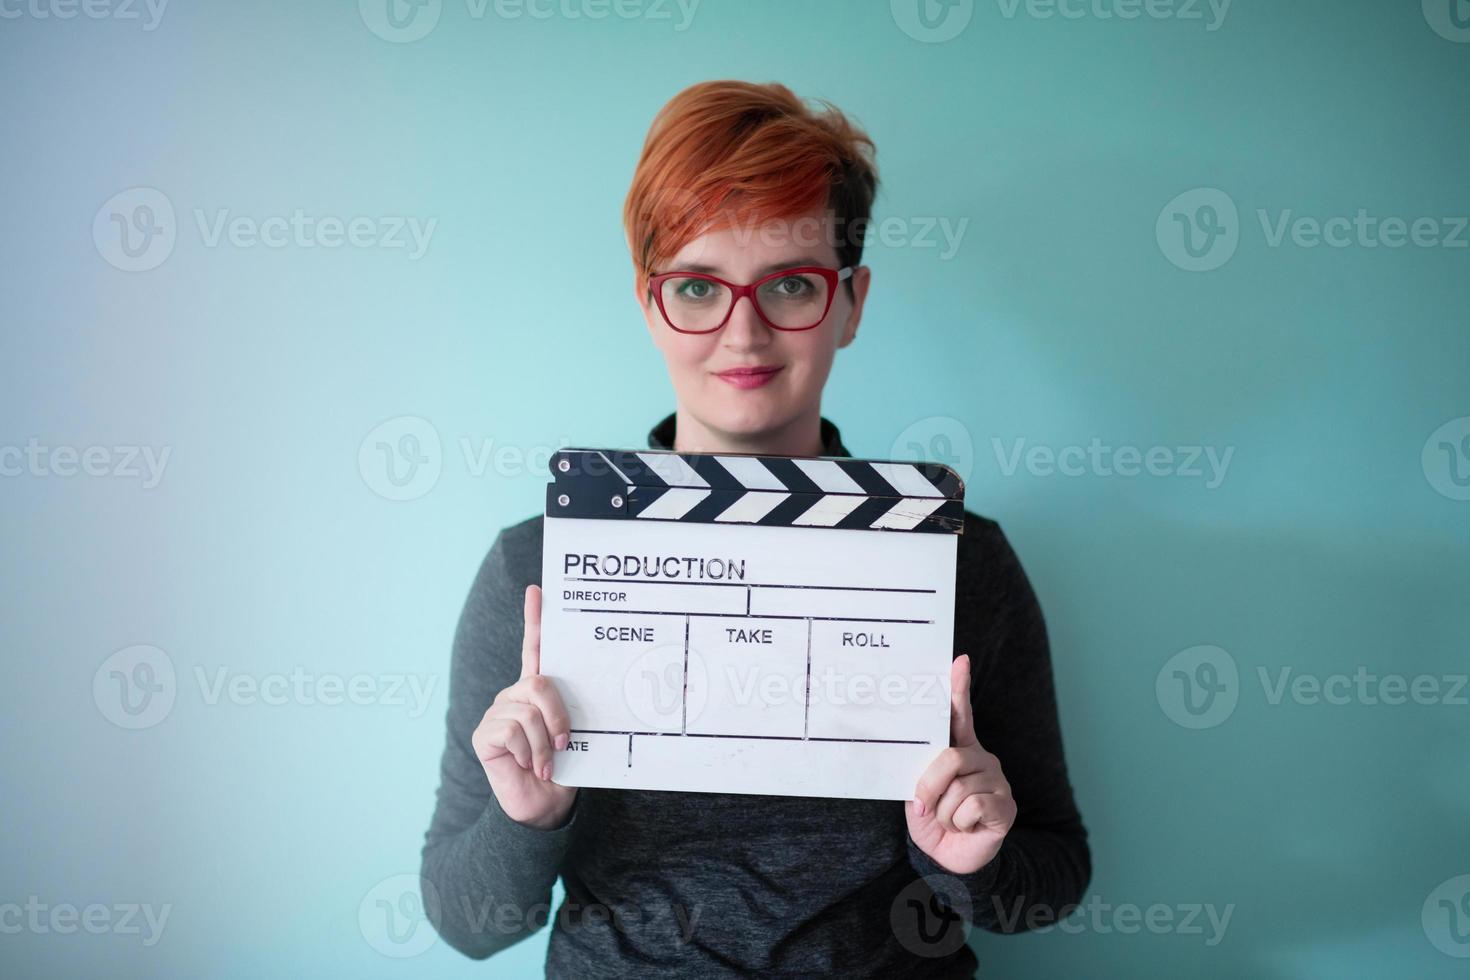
column 487, row 879
column 1044, row 864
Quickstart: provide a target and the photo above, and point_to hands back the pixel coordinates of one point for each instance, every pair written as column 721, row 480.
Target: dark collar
column 661, row 436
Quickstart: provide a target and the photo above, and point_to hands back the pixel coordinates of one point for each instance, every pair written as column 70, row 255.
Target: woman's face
column 741, row 412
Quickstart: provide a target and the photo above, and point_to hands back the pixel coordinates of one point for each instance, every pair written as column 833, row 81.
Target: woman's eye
column 792, row 286
column 694, row 289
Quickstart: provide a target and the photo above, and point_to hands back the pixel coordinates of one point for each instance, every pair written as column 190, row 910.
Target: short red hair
column 753, row 152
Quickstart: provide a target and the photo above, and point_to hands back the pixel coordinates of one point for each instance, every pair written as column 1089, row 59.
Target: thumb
column 961, row 714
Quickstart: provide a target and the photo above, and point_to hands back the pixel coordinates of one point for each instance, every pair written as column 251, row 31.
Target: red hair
column 753, row 152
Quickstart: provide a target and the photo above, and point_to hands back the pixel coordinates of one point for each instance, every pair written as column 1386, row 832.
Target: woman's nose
column 745, row 328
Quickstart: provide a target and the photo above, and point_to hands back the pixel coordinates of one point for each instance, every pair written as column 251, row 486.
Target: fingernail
column 561, row 741
column 545, row 772
column 919, row 806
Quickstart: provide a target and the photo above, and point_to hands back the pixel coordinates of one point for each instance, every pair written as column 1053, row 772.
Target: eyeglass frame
column 737, row 290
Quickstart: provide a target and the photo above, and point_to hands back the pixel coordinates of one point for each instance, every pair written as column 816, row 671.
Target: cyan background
column 1059, row 320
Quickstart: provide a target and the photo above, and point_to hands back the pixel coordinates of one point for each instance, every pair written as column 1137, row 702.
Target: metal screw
column 617, row 501
column 563, row 499
column 564, row 464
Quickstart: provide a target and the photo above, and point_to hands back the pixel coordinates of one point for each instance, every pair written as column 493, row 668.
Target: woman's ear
column 861, row 279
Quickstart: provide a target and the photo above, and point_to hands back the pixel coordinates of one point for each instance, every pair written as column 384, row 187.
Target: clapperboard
column 750, row 624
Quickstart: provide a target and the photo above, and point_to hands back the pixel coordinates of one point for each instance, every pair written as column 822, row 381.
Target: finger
column 540, row 692
column 950, row 763
column 961, row 714
column 531, row 640
column 994, row 809
column 503, row 735
column 959, row 790
column 528, row 716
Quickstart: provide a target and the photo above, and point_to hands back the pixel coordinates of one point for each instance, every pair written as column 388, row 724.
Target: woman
column 745, row 183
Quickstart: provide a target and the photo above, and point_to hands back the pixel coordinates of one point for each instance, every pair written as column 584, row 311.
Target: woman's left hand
column 962, row 808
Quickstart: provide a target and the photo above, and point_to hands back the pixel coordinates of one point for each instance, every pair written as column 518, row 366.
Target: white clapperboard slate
column 750, row 624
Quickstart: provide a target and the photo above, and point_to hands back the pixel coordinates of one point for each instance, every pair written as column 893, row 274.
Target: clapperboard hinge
column 771, row 491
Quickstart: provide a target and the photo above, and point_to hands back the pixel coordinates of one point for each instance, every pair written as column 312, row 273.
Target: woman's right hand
column 518, row 734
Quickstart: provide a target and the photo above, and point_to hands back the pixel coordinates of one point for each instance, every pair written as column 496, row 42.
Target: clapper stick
column 750, row 624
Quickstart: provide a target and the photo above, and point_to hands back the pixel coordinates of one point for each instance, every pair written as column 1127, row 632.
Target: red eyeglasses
column 791, row 299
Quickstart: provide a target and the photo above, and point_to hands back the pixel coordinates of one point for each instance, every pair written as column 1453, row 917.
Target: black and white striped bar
column 770, row 491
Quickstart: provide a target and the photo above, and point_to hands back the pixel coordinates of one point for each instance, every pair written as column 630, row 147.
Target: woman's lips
column 749, row 377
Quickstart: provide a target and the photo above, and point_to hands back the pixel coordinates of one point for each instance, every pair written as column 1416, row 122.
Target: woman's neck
column 801, row 437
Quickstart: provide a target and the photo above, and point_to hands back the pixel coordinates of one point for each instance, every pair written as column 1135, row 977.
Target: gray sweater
column 701, row 885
